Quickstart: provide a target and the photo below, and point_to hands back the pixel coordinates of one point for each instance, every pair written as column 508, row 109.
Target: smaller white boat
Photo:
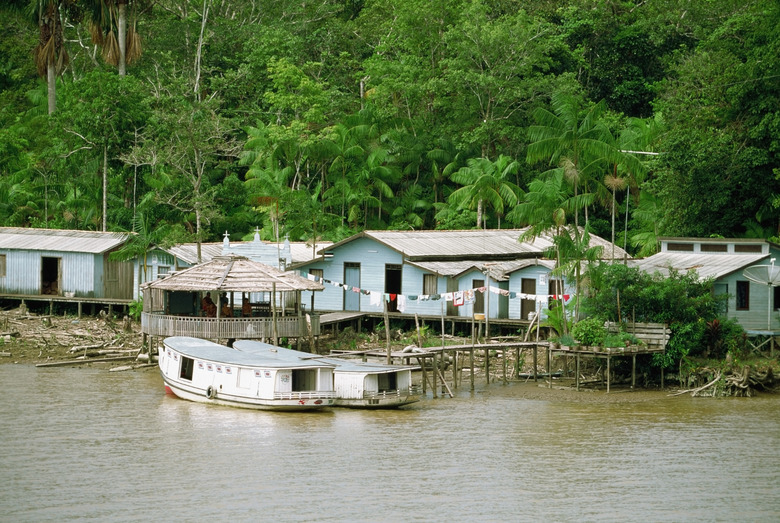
column 357, row 384
column 268, row 379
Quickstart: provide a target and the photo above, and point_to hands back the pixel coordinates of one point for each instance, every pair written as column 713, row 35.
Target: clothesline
column 458, row 298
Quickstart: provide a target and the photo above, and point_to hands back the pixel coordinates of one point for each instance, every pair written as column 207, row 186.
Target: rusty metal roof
column 706, row 265
column 233, row 274
column 62, row 240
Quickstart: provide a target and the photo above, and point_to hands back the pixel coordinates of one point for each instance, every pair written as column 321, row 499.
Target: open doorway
column 393, row 274
column 51, row 275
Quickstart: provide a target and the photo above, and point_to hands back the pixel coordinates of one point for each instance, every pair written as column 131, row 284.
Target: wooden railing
column 305, row 395
column 413, row 390
column 224, row 328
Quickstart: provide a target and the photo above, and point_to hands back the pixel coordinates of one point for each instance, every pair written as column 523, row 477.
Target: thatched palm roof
column 234, row 274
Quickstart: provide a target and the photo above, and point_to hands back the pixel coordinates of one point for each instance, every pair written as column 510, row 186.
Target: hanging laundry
column 401, row 303
column 375, row 299
column 458, row 299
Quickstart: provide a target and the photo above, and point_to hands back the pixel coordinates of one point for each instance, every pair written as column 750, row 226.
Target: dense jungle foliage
column 183, row 119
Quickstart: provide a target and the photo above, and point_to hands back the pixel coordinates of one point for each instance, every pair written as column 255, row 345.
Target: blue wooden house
column 452, row 273
column 753, row 305
column 47, row 263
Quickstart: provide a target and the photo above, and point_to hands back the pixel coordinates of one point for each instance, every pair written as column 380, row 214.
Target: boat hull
column 231, row 400
column 376, row 403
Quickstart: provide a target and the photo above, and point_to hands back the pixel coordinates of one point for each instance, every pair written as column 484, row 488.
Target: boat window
column 187, row 365
column 304, row 380
column 388, row 382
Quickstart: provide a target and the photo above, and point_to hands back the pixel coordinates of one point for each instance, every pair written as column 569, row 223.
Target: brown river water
column 92, row 445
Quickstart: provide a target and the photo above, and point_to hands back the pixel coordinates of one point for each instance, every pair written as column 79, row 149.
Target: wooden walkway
column 437, row 354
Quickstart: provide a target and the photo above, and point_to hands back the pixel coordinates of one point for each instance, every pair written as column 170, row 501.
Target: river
column 92, row 445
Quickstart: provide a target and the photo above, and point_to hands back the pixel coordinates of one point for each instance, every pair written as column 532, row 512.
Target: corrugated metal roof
column 706, row 265
column 188, row 252
column 499, row 270
column 465, row 244
column 470, row 244
column 60, row 240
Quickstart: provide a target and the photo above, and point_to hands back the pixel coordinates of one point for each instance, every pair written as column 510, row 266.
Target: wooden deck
column 51, row 299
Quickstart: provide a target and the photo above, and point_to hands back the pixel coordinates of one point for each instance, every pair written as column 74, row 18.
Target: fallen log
column 87, row 347
column 81, row 362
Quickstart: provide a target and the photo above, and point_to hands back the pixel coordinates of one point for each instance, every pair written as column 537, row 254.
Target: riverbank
column 29, row 338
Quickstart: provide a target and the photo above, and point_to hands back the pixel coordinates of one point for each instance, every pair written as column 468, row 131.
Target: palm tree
column 570, row 139
column 485, row 183
column 51, row 57
column 121, row 44
column 546, row 207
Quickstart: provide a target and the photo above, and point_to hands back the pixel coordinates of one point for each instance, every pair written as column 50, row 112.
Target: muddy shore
column 31, row 339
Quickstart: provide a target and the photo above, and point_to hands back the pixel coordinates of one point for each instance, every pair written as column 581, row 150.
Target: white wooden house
column 752, row 305
column 455, row 273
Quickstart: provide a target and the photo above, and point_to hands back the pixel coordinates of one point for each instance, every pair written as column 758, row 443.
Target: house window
column 714, row 247
column 429, row 284
column 317, row 272
column 683, row 247
column 776, row 297
column 163, row 269
column 2, row 265
column 743, row 295
column 748, row 248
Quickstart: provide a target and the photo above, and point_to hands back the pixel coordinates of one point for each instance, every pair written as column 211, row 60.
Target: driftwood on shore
column 744, row 382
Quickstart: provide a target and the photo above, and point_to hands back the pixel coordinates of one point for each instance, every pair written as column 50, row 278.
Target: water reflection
column 89, row 444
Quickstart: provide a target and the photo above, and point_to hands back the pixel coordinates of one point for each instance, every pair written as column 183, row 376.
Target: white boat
column 266, row 379
column 357, row 384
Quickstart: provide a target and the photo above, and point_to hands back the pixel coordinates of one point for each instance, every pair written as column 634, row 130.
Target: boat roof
column 341, row 365
column 264, row 357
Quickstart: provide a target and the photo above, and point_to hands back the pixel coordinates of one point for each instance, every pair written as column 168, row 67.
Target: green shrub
column 590, row 331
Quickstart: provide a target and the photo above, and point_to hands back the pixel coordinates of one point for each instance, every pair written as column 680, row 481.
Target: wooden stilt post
column 471, row 359
column 503, row 352
column 487, row 365
column 435, row 371
column 577, row 377
column 79, row 309
column 608, row 372
column 536, row 349
column 633, row 370
column 549, row 364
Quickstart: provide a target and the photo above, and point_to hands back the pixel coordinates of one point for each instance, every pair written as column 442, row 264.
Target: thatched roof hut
column 234, row 274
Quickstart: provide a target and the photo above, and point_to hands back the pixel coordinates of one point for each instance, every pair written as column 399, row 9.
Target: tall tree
column 572, row 138
column 51, row 56
column 485, row 183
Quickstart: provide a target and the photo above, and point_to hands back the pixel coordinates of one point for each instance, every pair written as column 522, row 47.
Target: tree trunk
column 105, row 186
column 122, row 36
column 197, row 231
column 51, row 82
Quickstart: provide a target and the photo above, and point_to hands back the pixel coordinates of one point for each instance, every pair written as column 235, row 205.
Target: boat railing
column 305, row 395
column 413, row 390
column 155, row 324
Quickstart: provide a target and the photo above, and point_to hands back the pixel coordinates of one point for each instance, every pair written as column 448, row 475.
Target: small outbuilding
column 57, row 265
column 229, row 297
